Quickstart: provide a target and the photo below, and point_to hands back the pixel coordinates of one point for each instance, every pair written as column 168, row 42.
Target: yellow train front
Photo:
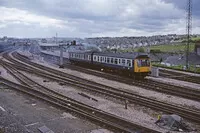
column 142, row 66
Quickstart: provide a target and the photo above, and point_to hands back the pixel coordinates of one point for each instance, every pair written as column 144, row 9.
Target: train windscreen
column 143, row 62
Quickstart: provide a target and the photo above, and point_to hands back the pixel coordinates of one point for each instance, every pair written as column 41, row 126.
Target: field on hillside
column 170, row 47
column 178, row 47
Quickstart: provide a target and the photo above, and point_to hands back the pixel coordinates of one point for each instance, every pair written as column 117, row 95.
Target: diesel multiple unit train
column 132, row 64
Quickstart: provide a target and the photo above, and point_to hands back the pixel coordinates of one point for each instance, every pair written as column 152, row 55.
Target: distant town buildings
column 133, row 42
column 104, row 43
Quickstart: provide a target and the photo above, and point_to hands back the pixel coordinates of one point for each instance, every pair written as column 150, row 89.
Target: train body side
column 132, row 64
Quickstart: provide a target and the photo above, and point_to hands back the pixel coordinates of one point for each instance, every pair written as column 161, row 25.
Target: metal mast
column 188, row 29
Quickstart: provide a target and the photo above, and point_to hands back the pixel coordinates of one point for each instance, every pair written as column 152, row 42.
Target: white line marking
column 2, row 109
column 31, row 124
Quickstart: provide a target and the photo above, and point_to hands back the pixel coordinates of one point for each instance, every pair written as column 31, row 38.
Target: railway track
column 185, row 92
column 191, row 114
column 34, row 89
column 179, row 76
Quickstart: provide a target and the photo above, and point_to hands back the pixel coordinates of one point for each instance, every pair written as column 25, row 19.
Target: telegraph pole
column 188, row 30
column 61, row 56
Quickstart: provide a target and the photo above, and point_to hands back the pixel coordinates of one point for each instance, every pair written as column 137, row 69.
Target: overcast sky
column 95, row 18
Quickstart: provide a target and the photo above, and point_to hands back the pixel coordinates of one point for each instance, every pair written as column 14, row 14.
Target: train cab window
column 143, row 62
column 116, row 61
column 111, row 61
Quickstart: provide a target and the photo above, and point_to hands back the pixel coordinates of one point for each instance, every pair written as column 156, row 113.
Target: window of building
column 98, row 58
column 101, row 59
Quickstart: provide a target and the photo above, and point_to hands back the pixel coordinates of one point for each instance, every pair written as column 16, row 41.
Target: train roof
column 124, row 55
column 119, row 55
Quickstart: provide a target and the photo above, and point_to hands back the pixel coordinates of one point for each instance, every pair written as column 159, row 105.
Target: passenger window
column 123, row 62
column 108, row 60
column 112, row 60
column 116, row 61
column 129, row 63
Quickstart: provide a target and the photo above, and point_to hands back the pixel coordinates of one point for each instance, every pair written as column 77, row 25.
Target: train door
column 135, row 68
